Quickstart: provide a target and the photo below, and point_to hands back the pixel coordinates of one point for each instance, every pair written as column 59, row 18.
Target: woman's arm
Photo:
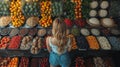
column 47, row 44
column 69, row 45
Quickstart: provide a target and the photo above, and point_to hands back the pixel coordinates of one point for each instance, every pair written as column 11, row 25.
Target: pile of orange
column 16, row 13
column 13, row 62
column 93, row 43
column 77, row 8
column 73, row 41
column 4, row 42
column 46, row 19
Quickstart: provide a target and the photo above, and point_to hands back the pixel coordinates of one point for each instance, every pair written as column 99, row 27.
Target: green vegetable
column 85, row 8
column 31, row 9
column 69, row 10
column 4, row 9
column 57, row 8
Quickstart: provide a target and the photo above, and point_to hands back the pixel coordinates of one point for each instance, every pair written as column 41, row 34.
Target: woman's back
column 54, row 45
column 58, row 45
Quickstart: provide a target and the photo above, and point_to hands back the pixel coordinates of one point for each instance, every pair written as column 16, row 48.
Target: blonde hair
column 59, row 32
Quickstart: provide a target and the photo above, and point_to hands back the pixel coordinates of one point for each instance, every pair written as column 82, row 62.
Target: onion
column 93, row 13
column 107, row 22
column 95, row 32
column 104, row 4
column 94, row 22
column 94, row 4
column 103, row 13
column 85, row 32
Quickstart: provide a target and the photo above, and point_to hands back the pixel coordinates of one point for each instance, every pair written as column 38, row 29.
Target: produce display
column 98, row 11
column 77, row 9
column 44, row 62
column 73, row 41
column 42, row 32
column 93, row 62
column 16, row 13
column 26, row 43
column 46, row 11
column 104, row 43
column 4, row 8
column 23, row 31
column 5, row 31
column 24, row 62
column 101, row 7
column 32, row 21
column 93, row 43
column 98, row 62
column 24, row 24
column 69, row 9
column 82, row 42
column 30, row 9
column 36, row 45
column 14, row 32
column 4, row 61
column 4, row 42
column 13, row 62
column 115, row 43
column 5, row 21
column 15, row 42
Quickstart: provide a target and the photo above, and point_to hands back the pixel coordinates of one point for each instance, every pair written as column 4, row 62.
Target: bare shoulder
column 47, row 38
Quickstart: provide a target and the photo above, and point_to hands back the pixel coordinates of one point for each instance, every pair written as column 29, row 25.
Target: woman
column 59, row 45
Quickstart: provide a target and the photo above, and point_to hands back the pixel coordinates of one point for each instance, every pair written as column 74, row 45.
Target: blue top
column 54, row 48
